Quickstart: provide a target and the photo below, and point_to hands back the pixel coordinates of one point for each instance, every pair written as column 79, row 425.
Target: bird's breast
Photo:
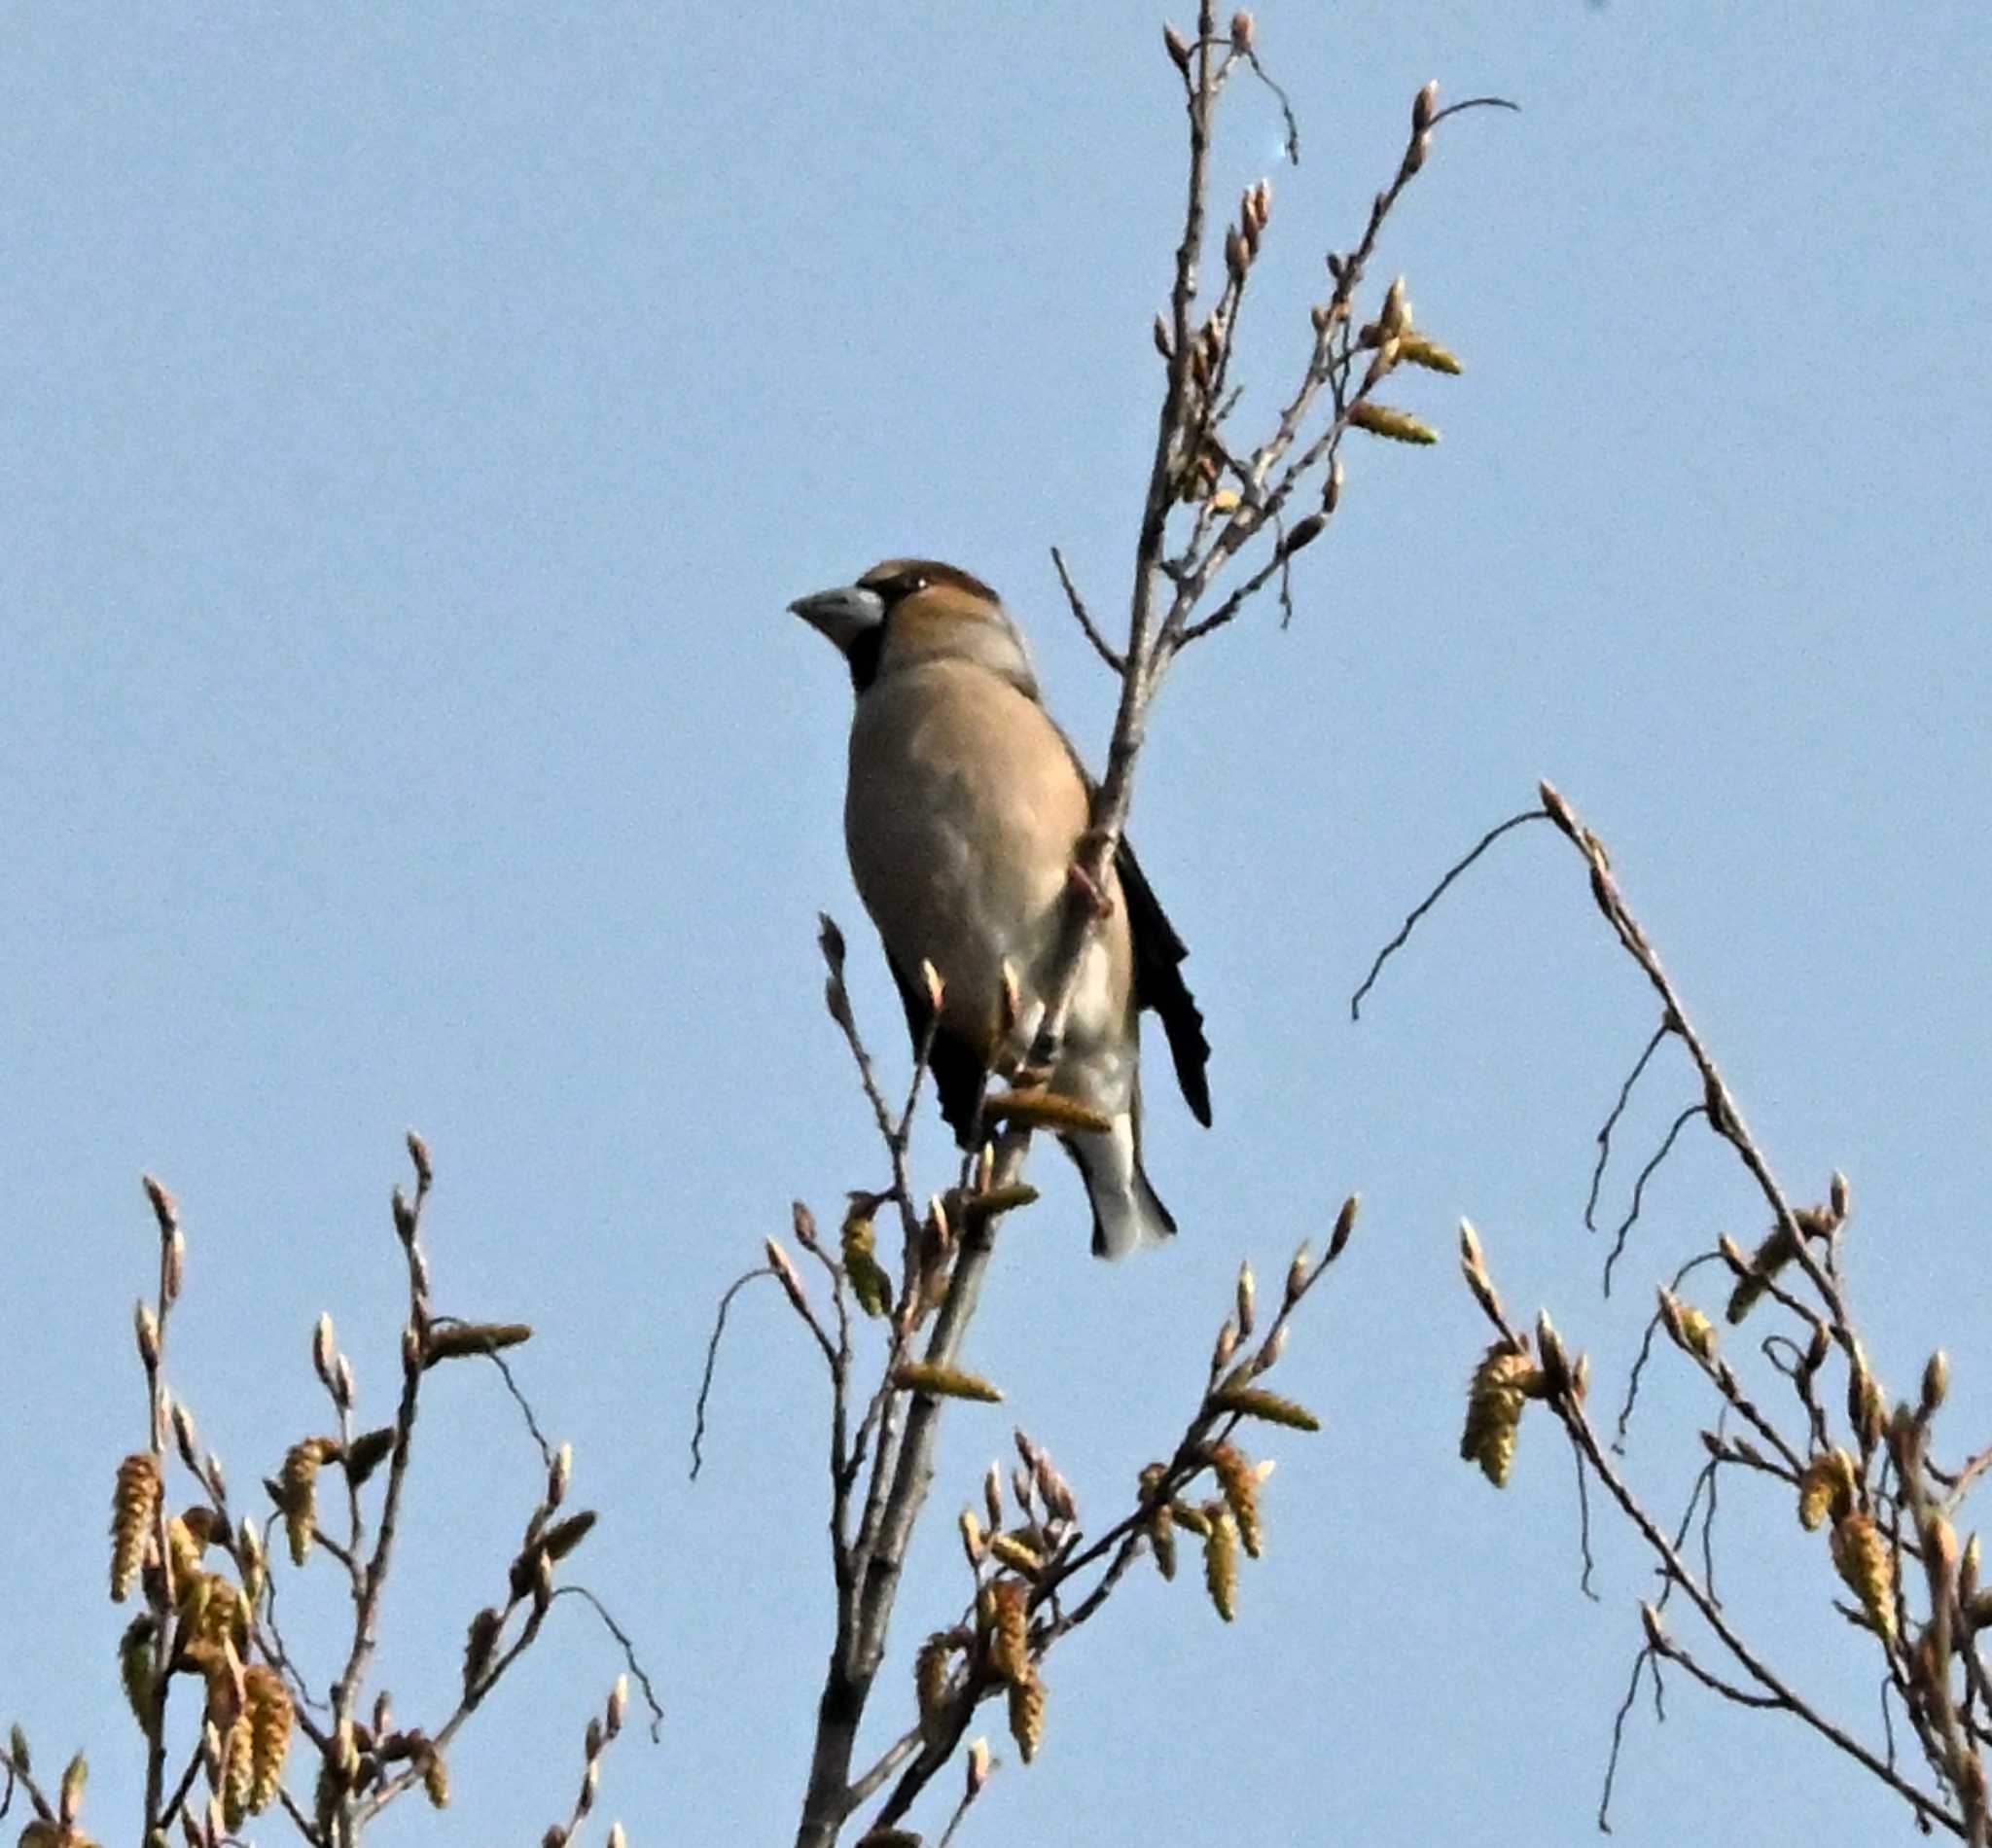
column 961, row 814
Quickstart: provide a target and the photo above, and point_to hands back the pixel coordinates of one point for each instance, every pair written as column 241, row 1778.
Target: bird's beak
column 843, row 615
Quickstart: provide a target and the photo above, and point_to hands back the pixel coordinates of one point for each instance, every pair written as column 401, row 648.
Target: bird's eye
column 916, row 582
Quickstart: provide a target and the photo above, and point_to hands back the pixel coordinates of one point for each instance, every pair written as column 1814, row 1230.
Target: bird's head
column 906, row 611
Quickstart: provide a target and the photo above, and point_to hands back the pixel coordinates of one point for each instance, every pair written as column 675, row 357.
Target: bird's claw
column 1090, row 890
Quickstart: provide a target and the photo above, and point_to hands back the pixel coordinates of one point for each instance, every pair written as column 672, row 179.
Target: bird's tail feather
column 1127, row 1212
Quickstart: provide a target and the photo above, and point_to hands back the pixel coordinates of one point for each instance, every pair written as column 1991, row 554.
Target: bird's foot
column 1089, row 888
column 1024, row 1076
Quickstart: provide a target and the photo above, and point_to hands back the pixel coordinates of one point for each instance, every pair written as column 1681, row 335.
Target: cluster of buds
column 602, row 1730
column 364, row 1754
column 335, row 1371
column 1026, row 1524
column 1242, row 239
column 530, row 1578
column 1232, row 1519
column 1511, row 1373
column 547, row 1543
column 1047, row 1516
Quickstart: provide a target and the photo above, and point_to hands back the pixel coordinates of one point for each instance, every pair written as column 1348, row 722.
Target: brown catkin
column 1862, row 1556
column 1386, row 421
column 1220, row 1562
column 930, row 1683
column 1027, row 1716
column 1255, row 1402
column 1417, row 350
column 481, row 1645
column 1239, row 1481
column 214, row 1614
column 1827, row 1487
column 134, row 1505
column 269, row 1714
column 135, row 1666
column 1009, row 1634
column 237, row 1773
column 1772, row 1257
column 1494, row 1402
column 869, row 1281
column 934, row 1381
column 300, row 1495
column 436, row 1779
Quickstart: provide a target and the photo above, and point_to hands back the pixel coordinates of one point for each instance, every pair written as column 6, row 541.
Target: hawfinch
column 962, row 815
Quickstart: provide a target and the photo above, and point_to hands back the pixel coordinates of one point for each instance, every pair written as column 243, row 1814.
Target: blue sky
column 419, row 421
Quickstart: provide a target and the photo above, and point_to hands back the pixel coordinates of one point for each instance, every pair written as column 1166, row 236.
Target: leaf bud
column 146, row 1325
column 1936, row 1382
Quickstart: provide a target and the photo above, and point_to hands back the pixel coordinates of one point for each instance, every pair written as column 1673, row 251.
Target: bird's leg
column 1082, row 881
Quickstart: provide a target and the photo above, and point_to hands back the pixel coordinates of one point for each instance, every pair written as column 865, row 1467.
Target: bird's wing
column 957, row 1066
column 1159, row 954
column 1159, row 983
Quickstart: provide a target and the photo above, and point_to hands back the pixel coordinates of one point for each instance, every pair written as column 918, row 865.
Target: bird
column 964, row 808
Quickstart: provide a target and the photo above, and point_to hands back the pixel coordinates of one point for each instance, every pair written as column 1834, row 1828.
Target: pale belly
column 962, row 815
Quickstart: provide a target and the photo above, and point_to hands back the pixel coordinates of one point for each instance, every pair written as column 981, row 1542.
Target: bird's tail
column 1127, row 1212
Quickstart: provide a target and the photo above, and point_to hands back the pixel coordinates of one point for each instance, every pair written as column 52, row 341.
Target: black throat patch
column 863, row 656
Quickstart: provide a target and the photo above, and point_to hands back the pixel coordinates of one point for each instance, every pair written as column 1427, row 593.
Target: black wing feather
column 1159, row 983
column 956, row 1066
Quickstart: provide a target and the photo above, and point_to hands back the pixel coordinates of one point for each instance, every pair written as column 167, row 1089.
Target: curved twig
column 1632, row 1077
column 1104, row 649
column 712, row 1355
column 1646, row 1174
column 622, row 1636
column 1431, row 898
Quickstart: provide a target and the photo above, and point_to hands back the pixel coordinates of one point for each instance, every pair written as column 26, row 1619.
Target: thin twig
column 1639, row 1667
column 1653, row 1046
column 1646, row 1174
column 712, row 1355
column 1742, row 1696
column 867, row 1784
column 954, row 1821
column 524, row 1404
column 629, row 1658
column 1103, row 647
column 1431, row 898
column 1584, row 1527
column 367, row 1615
